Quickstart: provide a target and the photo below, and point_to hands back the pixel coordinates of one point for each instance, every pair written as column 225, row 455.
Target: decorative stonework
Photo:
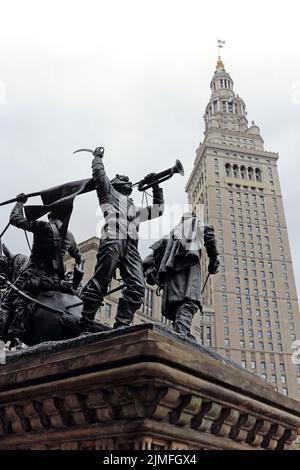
column 140, row 388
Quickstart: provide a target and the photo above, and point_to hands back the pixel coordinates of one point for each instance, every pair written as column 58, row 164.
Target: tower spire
column 225, row 110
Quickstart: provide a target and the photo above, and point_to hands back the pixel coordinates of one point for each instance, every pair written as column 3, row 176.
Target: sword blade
column 83, row 150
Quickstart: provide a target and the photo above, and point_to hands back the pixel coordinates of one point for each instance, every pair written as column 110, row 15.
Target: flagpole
column 220, row 45
column 38, row 193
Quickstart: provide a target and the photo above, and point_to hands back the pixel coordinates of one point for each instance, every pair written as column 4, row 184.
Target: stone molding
column 140, row 388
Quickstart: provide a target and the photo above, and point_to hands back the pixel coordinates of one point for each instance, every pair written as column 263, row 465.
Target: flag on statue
column 59, row 200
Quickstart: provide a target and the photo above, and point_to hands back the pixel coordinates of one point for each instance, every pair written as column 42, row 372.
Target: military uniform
column 44, row 271
column 175, row 267
column 118, row 247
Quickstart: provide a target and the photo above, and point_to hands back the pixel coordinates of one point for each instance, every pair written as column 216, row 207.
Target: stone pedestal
column 139, row 388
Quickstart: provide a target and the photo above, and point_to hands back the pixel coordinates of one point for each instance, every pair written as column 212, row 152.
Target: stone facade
column 255, row 295
column 140, row 388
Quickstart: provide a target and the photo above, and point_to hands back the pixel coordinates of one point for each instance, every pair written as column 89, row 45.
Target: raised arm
column 17, row 215
column 101, row 180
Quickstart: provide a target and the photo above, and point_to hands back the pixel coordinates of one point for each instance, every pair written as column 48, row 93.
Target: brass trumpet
column 157, row 178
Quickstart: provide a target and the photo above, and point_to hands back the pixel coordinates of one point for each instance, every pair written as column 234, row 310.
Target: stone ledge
column 142, row 387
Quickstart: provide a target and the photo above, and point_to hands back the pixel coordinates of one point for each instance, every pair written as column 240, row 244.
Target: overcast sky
column 134, row 77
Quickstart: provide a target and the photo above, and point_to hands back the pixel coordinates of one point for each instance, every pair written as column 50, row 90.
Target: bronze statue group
column 38, row 301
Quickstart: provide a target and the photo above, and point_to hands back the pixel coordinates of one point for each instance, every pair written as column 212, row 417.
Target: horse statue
column 52, row 315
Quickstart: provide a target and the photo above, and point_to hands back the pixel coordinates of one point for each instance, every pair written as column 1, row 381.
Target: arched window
column 235, row 171
column 243, row 172
column 250, row 173
column 228, row 169
column 257, row 174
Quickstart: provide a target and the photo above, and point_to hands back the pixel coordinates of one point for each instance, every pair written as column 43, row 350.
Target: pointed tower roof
column 226, row 111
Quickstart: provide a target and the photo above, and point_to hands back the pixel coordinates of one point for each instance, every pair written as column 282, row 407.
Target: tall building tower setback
column 254, row 295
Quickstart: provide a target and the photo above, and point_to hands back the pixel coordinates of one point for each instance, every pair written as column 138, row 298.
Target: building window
column 228, row 172
column 243, row 172
column 235, row 171
column 250, row 173
column 107, row 311
column 258, row 174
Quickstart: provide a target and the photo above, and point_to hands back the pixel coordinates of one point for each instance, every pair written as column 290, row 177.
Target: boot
column 183, row 320
column 125, row 313
column 88, row 314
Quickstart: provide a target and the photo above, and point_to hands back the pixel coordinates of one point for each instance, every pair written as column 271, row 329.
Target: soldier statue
column 45, row 269
column 119, row 245
column 174, row 266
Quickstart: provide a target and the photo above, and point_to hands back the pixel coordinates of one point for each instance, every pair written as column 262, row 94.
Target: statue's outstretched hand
column 148, row 178
column 99, row 152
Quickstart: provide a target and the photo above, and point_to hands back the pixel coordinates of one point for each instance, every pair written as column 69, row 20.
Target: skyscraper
column 254, row 296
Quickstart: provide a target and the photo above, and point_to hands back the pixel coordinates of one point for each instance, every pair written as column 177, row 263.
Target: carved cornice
column 142, row 388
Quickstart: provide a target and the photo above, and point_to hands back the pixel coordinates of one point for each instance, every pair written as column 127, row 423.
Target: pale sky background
column 134, row 77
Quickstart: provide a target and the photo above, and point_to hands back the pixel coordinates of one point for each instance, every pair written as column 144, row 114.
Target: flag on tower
column 220, row 43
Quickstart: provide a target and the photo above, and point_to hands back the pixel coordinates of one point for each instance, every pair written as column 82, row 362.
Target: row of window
column 223, row 83
column 258, row 323
column 226, row 106
column 243, row 172
column 251, row 345
column 245, row 281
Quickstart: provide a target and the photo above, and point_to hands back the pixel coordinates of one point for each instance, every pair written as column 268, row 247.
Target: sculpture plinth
column 138, row 388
